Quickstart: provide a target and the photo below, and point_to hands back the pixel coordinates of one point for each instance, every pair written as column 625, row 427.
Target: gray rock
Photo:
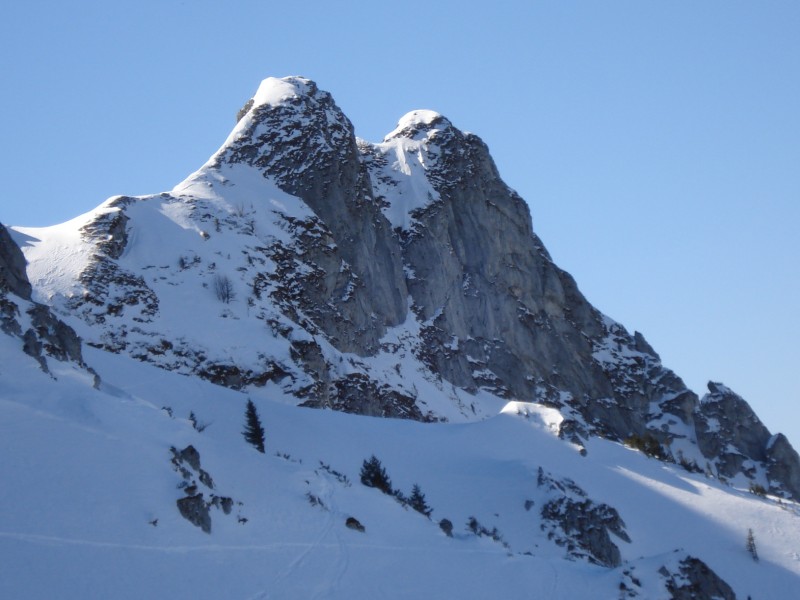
column 193, row 507
column 730, row 432
column 783, row 466
column 224, row 503
column 695, row 579
column 190, row 457
column 48, row 336
column 322, row 166
column 13, row 277
column 195, row 510
column 353, row 523
column 579, row 524
column 57, row 339
column 496, row 303
column 725, row 418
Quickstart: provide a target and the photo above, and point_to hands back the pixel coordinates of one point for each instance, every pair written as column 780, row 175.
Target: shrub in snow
column 689, row 465
column 648, row 444
column 223, row 288
column 314, row 500
column 374, row 475
column 196, row 425
column 340, row 477
column 446, row 525
column 253, row 431
column 475, row 527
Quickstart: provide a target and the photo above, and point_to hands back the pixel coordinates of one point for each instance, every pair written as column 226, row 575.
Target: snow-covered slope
column 301, row 267
column 90, row 491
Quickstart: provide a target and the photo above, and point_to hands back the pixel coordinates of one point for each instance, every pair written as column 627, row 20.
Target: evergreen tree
column 418, row 503
column 751, row 545
column 374, row 475
column 253, row 431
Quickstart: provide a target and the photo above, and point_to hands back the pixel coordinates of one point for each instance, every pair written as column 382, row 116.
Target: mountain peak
column 274, row 91
column 418, row 124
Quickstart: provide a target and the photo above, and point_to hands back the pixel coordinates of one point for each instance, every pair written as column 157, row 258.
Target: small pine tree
column 418, row 503
column 374, row 475
column 751, row 545
column 253, row 431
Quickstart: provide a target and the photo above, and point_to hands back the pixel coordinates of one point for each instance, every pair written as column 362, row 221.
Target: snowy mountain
column 303, row 266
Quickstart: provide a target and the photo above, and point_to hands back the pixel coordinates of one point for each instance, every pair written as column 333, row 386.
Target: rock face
column 729, row 430
column 498, row 314
column 399, row 279
column 193, row 506
column 12, row 267
column 695, row 579
column 304, row 143
column 582, row 526
column 195, row 510
column 783, row 466
column 42, row 334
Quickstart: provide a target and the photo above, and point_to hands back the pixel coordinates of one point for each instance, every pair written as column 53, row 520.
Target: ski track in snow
column 307, row 548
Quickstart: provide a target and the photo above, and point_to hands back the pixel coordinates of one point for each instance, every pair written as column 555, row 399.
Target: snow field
column 85, row 472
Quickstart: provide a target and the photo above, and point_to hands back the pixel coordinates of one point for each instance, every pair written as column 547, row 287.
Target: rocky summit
column 300, row 282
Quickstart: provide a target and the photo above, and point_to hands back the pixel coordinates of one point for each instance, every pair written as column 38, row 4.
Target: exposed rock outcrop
column 43, row 335
column 304, row 142
column 353, row 523
column 783, row 466
column 734, row 437
column 694, row 579
column 193, row 506
column 12, row 267
column 582, row 526
column 498, row 313
column 195, row 510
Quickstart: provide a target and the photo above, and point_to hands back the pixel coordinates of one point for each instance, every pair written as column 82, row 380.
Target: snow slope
column 86, row 472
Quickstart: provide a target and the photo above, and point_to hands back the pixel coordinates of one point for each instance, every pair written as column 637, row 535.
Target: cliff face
column 296, row 136
column 397, row 279
column 12, row 267
column 498, row 313
column 41, row 334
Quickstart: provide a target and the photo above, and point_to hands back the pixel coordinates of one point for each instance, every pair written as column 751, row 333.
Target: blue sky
column 657, row 143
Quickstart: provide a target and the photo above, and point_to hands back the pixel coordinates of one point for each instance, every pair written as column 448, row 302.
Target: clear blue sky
column 657, row 143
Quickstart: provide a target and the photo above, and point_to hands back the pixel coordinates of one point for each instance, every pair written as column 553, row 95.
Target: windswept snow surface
column 53, row 278
column 89, row 499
